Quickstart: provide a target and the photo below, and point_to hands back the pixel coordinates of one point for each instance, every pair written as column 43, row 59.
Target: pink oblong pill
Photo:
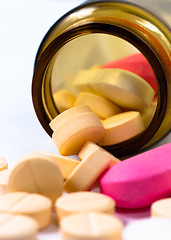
column 140, row 180
column 137, row 64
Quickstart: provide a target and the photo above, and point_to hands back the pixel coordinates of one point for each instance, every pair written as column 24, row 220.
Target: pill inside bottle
column 94, row 66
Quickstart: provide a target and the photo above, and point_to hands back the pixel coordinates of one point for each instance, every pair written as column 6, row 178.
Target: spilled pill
column 36, row 173
column 4, row 181
column 17, row 227
column 89, row 148
column 85, row 175
column 67, row 115
column 35, row 206
column 74, row 133
column 92, row 226
column 3, row 164
column 161, row 208
column 80, row 202
column 66, row 164
column 140, row 180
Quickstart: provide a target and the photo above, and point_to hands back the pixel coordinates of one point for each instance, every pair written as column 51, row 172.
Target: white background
column 23, row 25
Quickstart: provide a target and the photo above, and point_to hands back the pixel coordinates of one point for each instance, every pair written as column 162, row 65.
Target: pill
column 79, row 202
column 161, row 208
column 73, row 134
column 140, row 180
column 17, row 227
column 3, row 164
column 122, row 87
column 36, row 173
column 148, row 229
column 67, row 115
column 99, row 105
column 64, row 100
column 147, row 114
column 137, row 64
column 85, row 175
column 4, row 181
column 89, row 148
column 66, row 164
column 91, row 226
column 121, row 127
column 33, row 205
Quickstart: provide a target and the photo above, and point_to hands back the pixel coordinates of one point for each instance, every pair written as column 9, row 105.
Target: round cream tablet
column 3, row 164
column 4, row 181
column 83, row 202
column 148, row 229
column 86, row 174
column 161, row 208
column 67, row 115
column 64, row 100
column 92, row 226
column 99, row 105
column 70, row 137
column 121, row 127
column 36, row 173
column 17, row 227
column 33, row 205
column 66, row 164
column 89, row 148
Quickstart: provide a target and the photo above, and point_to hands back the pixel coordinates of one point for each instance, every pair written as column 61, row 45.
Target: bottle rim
column 42, row 97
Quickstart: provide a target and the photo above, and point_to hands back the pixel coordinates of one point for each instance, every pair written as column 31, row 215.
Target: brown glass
column 138, row 26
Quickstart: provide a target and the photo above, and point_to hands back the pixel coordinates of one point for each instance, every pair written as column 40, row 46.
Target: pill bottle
column 79, row 39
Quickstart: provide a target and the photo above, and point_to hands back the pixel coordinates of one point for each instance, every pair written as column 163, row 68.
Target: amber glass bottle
column 144, row 25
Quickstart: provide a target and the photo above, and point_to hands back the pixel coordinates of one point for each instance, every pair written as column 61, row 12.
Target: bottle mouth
column 42, row 92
